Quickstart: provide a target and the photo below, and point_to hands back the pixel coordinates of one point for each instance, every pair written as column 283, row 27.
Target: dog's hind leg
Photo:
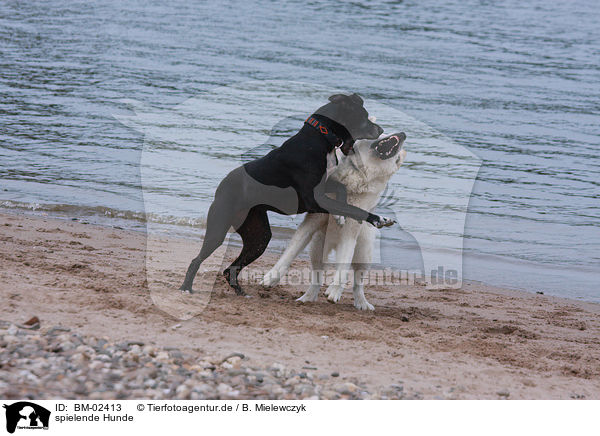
column 256, row 234
column 217, row 224
column 317, row 273
column 306, row 230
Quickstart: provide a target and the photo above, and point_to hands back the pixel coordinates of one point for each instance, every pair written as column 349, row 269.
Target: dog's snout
column 379, row 129
column 402, row 136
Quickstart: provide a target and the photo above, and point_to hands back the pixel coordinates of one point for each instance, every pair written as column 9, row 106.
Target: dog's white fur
column 365, row 176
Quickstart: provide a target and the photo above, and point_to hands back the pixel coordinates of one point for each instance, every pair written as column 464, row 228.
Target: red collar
column 331, row 137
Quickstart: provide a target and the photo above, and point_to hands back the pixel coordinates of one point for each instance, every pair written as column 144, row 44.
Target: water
column 518, row 85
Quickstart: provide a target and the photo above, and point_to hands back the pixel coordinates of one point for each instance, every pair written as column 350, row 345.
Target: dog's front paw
column 340, row 220
column 311, row 295
column 186, row 289
column 271, row 278
column 334, row 293
column 380, row 221
column 363, row 304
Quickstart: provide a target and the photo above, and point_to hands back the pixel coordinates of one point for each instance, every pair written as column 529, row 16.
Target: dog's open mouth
column 388, row 147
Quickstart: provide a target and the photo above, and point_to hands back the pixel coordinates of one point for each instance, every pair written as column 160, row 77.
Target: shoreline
column 476, row 342
column 277, row 244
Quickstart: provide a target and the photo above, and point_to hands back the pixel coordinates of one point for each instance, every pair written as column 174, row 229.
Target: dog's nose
column 402, row 136
column 379, row 129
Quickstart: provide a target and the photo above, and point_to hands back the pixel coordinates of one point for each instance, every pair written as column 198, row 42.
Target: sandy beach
column 478, row 342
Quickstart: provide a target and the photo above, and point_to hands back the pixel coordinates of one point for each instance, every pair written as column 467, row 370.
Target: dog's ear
column 356, row 99
column 337, row 98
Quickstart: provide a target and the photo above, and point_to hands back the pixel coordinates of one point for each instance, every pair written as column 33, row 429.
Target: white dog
column 365, row 175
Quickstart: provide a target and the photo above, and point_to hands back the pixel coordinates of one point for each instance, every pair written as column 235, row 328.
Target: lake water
column 515, row 85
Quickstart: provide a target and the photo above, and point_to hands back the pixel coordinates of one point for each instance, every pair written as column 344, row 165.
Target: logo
column 26, row 415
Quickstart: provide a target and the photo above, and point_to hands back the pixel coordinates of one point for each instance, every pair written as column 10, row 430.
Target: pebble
column 183, row 392
column 163, row 356
column 347, row 388
column 277, row 367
